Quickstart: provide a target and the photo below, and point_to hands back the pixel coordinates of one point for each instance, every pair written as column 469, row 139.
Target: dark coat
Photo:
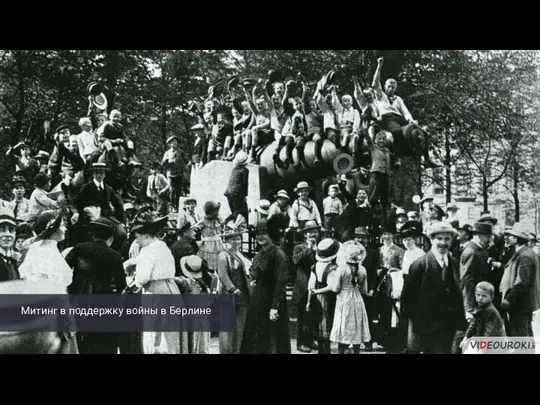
column 181, row 248
column 238, row 182
column 352, row 217
column 371, row 263
column 524, row 293
column 8, row 269
column 89, row 195
column 487, row 322
column 97, row 269
column 434, row 306
column 304, row 260
column 473, row 268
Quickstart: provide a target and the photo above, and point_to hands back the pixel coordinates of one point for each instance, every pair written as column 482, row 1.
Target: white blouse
column 154, row 262
column 44, row 261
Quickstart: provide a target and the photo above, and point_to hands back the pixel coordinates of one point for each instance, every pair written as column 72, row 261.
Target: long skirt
column 160, row 342
column 231, row 342
column 351, row 324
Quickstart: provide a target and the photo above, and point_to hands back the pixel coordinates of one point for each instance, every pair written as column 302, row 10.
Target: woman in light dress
column 154, row 273
column 349, row 281
column 43, row 261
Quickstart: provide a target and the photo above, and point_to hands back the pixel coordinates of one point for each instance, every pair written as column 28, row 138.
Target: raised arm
column 335, row 101
column 376, row 84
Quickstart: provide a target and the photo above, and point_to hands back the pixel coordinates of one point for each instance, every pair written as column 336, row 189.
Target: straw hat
column 441, row 227
column 327, row 250
column 192, row 266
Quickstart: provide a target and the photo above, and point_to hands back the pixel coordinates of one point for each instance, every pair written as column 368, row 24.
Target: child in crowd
column 333, row 207
column 303, row 209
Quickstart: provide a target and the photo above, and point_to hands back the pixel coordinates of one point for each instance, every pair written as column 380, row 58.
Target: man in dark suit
column 304, row 259
column 473, row 268
column 185, row 246
column 357, row 213
column 97, row 269
column 520, row 285
column 371, row 264
column 431, row 296
column 94, row 200
column 8, row 264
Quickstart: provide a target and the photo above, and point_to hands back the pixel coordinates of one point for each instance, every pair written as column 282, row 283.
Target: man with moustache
column 431, row 296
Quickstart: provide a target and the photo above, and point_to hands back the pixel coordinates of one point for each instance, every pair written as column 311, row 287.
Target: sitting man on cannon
column 396, row 118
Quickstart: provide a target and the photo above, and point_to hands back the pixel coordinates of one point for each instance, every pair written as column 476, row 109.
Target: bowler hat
column 148, row 220
column 309, row 225
column 411, row 229
column 327, row 250
column 361, row 231
column 482, row 227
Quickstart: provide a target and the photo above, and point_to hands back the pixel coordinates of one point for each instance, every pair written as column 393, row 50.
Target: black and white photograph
column 347, row 201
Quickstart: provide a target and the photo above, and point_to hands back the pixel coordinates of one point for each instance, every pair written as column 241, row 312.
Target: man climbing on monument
column 395, row 115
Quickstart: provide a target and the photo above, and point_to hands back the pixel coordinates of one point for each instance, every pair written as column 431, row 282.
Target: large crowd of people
column 415, row 282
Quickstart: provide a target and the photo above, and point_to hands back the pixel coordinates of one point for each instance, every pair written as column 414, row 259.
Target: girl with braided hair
column 349, row 281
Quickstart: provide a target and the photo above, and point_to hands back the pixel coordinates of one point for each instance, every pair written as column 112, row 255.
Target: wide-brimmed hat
column 466, row 228
column 264, row 207
column 148, row 220
column 302, row 185
column 282, row 194
column 211, row 208
column 519, row 230
column 7, row 216
column 532, row 237
column 441, row 227
column 411, row 229
column 452, row 206
column 18, row 180
column 47, row 223
column 309, row 225
column 98, row 166
column 42, row 155
column 486, row 217
column 352, row 252
column 482, row 227
column 171, row 138
column 241, row 158
column 192, row 266
column 327, row 250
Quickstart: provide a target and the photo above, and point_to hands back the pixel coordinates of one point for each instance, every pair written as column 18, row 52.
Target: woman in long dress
column 154, row 273
column 351, row 326
column 233, row 271
column 267, row 321
column 43, row 261
column 211, row 243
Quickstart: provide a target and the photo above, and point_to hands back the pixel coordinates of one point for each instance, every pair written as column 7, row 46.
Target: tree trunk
column 112, row 64
column 404, row 183
column 164, row 123
column 485, row 193
column 516, row 190
column 447, row 163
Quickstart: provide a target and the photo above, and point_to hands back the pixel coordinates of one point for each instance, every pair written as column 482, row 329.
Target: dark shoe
column 314, row 346
column 303, row 349
column 368, row 347
column 278, row 162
